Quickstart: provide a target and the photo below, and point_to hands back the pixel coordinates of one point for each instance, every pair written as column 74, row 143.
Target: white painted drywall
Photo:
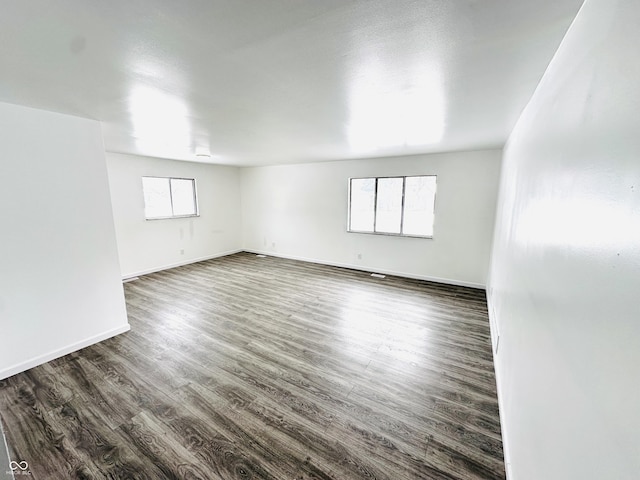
column 300, row 211
column 60, row 286
column 565, row 273
column 151, row 245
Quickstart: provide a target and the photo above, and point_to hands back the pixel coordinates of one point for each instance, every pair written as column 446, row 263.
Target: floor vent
column 127, row 280
column 378, row 275
column 261, row 256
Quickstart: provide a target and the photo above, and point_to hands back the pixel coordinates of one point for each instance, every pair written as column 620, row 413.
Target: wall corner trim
column 47, row 357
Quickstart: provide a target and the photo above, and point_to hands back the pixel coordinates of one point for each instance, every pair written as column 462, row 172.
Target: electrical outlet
column 359, row 256
column 182, row 251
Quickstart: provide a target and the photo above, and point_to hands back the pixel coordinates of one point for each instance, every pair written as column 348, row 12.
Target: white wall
column 300, row 211
column 60, row 286
column 565, row 272
column 150, row 245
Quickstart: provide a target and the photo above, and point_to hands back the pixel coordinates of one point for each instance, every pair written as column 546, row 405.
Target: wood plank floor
column 263, row 368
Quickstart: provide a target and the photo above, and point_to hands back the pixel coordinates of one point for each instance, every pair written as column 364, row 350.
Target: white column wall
column 60, row 286
column 565, row 272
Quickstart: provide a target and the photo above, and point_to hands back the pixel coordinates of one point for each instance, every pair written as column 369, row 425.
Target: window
column 392, row 205
column 169, row 197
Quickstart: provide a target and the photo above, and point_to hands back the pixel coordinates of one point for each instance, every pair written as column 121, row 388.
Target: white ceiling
column 256, row 82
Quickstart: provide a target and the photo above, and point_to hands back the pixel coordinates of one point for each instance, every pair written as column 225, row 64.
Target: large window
column 392, row 205
column 169, row 197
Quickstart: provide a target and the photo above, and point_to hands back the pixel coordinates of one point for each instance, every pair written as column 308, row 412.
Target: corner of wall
column 61, row 352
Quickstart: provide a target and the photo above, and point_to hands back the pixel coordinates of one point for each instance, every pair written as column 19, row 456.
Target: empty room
column 337, row 239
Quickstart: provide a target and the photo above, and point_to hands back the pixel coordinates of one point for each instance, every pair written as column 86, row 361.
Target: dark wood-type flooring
column 244, row 367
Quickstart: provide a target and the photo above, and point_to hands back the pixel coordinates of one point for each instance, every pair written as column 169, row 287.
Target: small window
column 392, row 205
column 169, row 197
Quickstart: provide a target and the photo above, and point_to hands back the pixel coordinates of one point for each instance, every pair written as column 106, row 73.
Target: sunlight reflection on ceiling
column 159, row 120
column 387, row 112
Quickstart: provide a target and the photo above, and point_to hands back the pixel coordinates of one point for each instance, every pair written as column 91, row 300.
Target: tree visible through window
column 169, row 197
column 392, row 205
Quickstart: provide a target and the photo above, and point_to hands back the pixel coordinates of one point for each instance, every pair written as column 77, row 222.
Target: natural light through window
column 388, row 213
column 393, row 205
column 363, row 195
column 166, row 197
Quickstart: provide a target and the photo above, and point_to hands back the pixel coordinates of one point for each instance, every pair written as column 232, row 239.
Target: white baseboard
column 363, row 268
column 47, row 357
column 448, row 281
column 495, row 342
column 179, row 264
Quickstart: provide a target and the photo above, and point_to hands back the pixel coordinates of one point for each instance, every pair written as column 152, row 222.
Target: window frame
column 195, row 198
column 375, row 207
